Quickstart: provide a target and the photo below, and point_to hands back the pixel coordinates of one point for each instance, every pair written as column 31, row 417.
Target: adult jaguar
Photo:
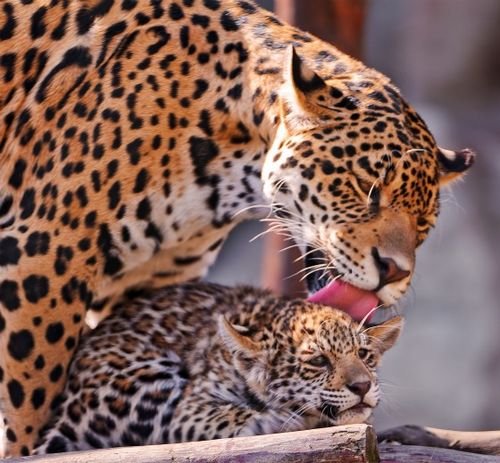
column 132, row 131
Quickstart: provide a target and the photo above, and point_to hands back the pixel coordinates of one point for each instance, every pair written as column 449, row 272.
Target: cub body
column 203, row 361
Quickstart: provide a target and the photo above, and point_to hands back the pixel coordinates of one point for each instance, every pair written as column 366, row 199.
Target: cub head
column 354, row 175
column 314, row 362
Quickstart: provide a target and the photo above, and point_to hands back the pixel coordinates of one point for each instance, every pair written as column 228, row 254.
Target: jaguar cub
column 203, row 361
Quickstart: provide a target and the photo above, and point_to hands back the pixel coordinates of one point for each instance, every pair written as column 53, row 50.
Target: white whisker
column 253, row 206
column 365, row 318
column 305, row 269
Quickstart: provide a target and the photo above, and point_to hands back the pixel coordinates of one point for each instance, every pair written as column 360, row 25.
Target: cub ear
column 385, row 335
column 235, row 339
column 453, row 164
column 300, row 82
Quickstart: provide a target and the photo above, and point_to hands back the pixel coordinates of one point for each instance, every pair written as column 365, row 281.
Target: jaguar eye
column 320, row 361
column 365, row 185
column 363, row 353
column 371, row 190
column 374, row 195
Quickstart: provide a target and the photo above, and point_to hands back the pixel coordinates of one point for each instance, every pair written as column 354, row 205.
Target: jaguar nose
column 388, row 270
column 360, row 388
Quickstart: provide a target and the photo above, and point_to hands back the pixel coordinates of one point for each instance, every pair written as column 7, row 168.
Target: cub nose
column 388, row 270
column 360, row 388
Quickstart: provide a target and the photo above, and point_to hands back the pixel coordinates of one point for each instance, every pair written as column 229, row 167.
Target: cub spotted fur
column 202, row 361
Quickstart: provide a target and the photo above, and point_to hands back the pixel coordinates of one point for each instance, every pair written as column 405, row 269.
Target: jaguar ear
column 301, row 82
column 386, row 334
column 302, row 78
column 453, row 164
column 236, row 340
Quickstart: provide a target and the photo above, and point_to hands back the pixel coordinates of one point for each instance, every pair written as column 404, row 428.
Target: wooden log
column 394, row 453
column 341, row 444
column 485, row 442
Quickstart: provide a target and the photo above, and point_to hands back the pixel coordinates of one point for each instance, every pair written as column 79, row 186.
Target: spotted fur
column 196, row 362
column 133, row 131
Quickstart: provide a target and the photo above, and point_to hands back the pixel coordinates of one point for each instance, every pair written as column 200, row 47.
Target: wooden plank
column 394, row 453
column 485, row 442
column 341, row 444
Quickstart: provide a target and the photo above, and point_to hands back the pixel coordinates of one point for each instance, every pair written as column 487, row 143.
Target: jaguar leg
column 41, row 319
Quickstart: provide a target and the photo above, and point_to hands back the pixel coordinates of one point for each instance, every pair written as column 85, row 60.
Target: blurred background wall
column 445, row 57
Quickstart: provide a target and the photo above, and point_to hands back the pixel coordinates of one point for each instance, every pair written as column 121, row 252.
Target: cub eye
column 363, row 353
column 320, row 361
column 423, row 227
column 423, row 223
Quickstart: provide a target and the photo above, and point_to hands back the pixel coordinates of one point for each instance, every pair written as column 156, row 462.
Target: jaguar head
column 314, row 361
column 354, row 175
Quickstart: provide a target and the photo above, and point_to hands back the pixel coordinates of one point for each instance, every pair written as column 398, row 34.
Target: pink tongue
column 340, row 295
